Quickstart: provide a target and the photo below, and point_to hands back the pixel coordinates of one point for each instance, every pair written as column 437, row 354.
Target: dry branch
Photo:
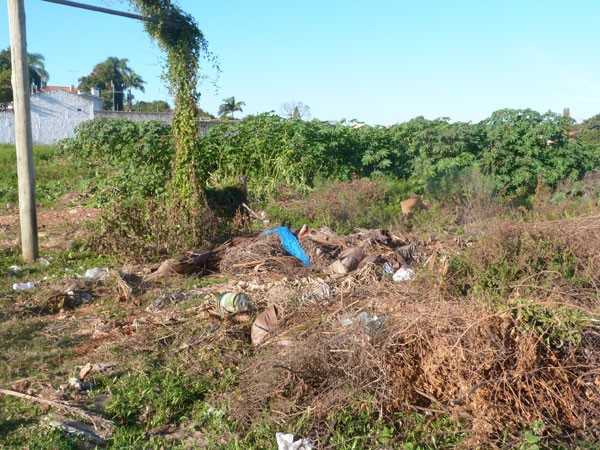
column 91, row 417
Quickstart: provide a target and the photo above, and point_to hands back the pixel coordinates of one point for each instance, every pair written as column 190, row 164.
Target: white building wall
column 7, row 128
column 54, row 116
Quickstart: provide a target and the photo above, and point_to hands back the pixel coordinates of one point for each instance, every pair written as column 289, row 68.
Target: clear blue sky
column 381, row 62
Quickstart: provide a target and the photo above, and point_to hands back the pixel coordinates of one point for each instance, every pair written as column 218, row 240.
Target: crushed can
column 231, row 302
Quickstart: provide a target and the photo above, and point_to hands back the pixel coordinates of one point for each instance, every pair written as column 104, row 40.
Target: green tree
column 155, row 106
column 5, row 59
column 5, row 83
column 132, row 81
column 6, row 94
column 589, row 133
column 37, row 73
column 230, row 106
column 522, row 144
column 112, row 77
column 204, row 115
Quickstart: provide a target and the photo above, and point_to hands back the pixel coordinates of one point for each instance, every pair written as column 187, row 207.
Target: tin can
column 231, row 302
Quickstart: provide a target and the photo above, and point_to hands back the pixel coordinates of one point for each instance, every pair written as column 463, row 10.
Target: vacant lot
column 492, row 342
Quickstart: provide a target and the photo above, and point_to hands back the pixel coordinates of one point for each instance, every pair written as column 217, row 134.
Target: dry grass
column 266, row 254
column 494, row 368
column 555, row 260
column 487, row 370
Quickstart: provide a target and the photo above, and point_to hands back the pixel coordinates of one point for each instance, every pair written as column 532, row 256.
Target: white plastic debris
column 286, row 442
column 371, row 323
column 44, row 262
column 77, row 429
column 78, row 384
column 403, row 274
column 95, row 274
column 15, row 269
column 23, row 286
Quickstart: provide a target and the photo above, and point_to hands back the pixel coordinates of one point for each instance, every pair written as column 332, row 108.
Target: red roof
column 59, row 88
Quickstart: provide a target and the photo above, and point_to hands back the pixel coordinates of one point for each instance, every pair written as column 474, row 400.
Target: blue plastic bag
column 291, row 244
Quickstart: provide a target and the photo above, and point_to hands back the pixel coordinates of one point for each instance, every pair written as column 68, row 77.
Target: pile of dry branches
column 487, row 366
column 486, row 370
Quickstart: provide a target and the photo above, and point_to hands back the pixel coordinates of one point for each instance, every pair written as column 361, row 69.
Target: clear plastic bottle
column 22, row 286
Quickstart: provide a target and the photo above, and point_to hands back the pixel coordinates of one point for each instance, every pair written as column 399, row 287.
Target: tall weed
column 130, row 159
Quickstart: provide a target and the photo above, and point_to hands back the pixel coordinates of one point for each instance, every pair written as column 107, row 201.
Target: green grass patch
column 20, row 427
column 155, row 396
column 55, row 175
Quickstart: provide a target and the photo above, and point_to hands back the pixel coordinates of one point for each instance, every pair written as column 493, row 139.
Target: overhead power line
column 112, row 11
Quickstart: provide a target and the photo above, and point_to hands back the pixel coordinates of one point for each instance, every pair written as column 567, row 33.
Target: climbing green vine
column 178, row 35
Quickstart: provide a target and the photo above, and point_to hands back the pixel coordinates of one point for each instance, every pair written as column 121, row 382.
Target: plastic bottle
column 22, row 286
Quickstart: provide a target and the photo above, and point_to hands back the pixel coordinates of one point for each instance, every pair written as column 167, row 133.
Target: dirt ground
column 57, row 228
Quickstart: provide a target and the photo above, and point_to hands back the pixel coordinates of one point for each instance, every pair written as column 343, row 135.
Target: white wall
column 7, row 128
column 54, row 116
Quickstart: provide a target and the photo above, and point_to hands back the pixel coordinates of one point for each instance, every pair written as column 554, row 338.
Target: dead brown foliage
column 451, row 355
column 145, row 230
column 485, row 369
column 555, row 260
column 266, row 253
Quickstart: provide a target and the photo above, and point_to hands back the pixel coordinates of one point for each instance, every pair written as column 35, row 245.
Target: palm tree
column 230, row 106
column 37, row 71
column 131, row 80
column 113, row 76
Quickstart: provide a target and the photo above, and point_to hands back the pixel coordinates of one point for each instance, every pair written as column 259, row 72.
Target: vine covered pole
column 23, row 137
column 183, row 47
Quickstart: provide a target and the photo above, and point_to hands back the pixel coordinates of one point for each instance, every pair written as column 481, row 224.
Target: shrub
column 131, row 159
column 548, row 260
column 476, row 196
column 149, row 229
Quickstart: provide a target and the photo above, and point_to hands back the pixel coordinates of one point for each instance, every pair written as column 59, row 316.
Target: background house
column 55, row 112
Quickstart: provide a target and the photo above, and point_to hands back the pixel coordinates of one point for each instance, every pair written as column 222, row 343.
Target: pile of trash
column 299, row 253
column 316, row 267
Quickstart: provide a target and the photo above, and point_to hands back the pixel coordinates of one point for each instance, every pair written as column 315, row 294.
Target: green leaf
column 532, row 438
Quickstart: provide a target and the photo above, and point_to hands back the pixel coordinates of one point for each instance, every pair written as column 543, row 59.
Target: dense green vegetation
column 513, row 147
column 130, row 159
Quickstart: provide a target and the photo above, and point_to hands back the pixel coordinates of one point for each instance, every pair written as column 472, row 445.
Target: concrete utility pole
column 23, row 139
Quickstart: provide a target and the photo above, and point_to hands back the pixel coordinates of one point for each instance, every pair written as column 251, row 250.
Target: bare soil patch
column 57, row 228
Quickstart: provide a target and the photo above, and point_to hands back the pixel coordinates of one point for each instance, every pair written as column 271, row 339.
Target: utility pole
column 23, row 139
